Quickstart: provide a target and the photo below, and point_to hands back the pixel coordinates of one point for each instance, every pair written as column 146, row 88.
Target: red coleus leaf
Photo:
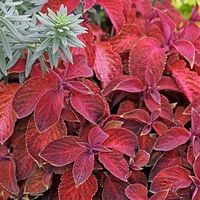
column 196, row 167
column 126, row 38
column 114, row 10
column 90, row 106
column 190, row 32
column 107, row 65
column 186, row 49
column 172, row 138
column 36, row 141
column 138, row 115
column 165, row 195
column 131, row 84
column 48, row 109
column 114, row 189
column 83, row 167
column 68, row 190
column 195, row 119
column 25, row 165
column 115, row 163
column 55, row 5
column 78, row 69
column 196, row 146
column 62, row 151
column 166, row 160
column 124, row 83
column 7, row 175
column 122, row 140
column 147, row 53
column 140, row 160
column 185, row 80
column 172, row 178
column 136, row 192
column 96, row 136
column 7, row 115
column 38, row 182
column 28, row 95
column 167, row 83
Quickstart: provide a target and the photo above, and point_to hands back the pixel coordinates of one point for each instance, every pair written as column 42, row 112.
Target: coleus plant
column 91, row 110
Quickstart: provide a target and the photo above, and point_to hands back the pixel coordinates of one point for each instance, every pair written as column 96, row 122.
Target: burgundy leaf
column 185, row 80
column 168, row 159
column 165, row 195
column 36, row 141
column 96, row 136
column 107, row 64
column 48, row 109
column 91, row 107
column 141, row 159
column 122, row 140
column 126, row 38
column 172, row 178
column 79, row 68
column 114, row 189
column 131, row 84
column 147, row 53
column 7, row 115
column 196, row 168
column 186, row 49
column 62, row 151
column 138, row 115
column 172, row 138
column 38, row 182
column 28, row 95
column 115, row 163
column 136, row 192
column 83, row 167
column 68, row 190
column 7, row 175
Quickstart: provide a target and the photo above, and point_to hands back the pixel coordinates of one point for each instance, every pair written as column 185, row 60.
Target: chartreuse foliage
column 117, row 119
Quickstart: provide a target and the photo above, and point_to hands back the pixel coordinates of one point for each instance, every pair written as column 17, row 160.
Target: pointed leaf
column 122, row 140
column 107, row 63
column 79, row 68
column 126, row 38
column 172, row 178
column 115, row 163
column 114, row 189
column 38, row 182
column 69, row 191
column 172, row 138
column 62, row 151
column 185, row 80
column 91, row 107
column 186, row 49
column 48, row 110
column 7, row 175
column 96, row 136
column 132, row 85
column 136, row 192
column 147, row 53
column 28, row 96
column 7, row 115
column 141, row 159
column 83, row 167
column 36, row 141
column 168, row 159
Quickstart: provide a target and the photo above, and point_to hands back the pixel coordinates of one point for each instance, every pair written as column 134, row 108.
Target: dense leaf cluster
column 120, row 121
